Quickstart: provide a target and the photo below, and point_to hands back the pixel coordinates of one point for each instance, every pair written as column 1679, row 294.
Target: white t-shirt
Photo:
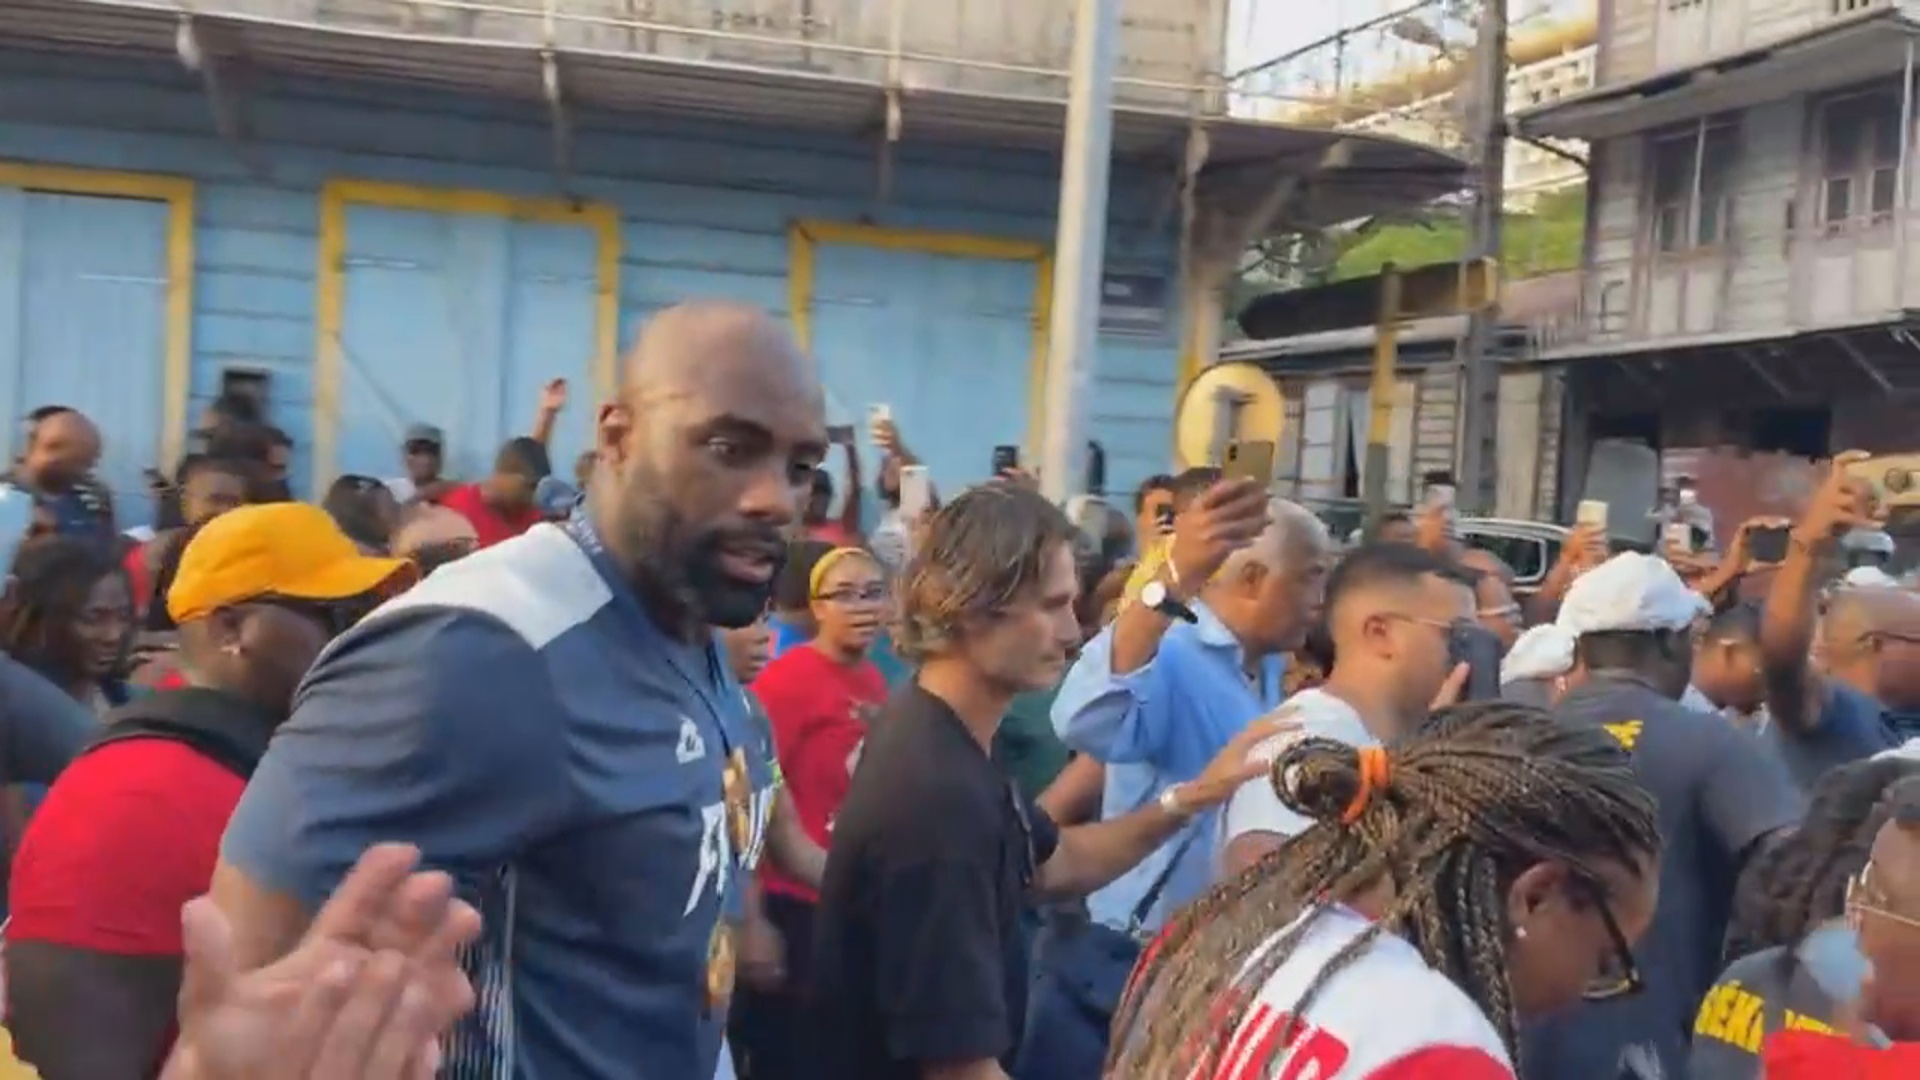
column 403, row 489
column 1255, row 807
column 1385, row 1016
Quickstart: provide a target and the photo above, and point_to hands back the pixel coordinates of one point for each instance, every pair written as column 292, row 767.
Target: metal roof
column 610, row 65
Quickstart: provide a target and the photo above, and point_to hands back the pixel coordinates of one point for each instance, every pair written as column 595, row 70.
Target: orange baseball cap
column 284, row 549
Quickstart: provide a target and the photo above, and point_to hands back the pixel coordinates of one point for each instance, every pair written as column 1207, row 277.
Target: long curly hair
column 53, row 577
column 1480, row 794
column 1799, row 882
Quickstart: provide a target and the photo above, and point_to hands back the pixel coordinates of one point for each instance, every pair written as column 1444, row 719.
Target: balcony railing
column 1760, row 285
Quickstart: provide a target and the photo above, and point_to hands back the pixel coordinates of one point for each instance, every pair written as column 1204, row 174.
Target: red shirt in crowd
column 1812, row 1055
column 819, row 709
column 128, row 835
column 832, row 532
column 488, row 524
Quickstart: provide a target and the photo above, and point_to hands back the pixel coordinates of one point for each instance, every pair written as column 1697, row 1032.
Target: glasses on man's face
column 1864, row 899
column 1619, row 975
column 856, row 594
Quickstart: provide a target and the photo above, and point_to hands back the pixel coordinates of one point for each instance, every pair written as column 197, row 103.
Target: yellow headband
column 828, row 562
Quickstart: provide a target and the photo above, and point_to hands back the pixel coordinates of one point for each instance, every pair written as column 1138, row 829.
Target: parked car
column 1529, row 547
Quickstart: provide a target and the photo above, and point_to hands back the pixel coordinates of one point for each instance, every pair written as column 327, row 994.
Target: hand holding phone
column 1591, row 512
column 1479, row 648
column 916, row 491
column 1006, row 459
column 1767, row 544
column 1249, row 460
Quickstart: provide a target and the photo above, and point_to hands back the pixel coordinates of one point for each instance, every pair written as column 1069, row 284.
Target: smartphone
column 1250, row 460
column 840, row 434
column 1441, row 495
column 1163, row 519
column 1591, row 512
column 1679, row 537
column 1767, row 543
column 1479, row 649
column 1006, row 458
column 916, row 491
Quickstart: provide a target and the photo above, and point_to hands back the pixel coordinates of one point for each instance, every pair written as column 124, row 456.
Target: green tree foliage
column 1546, row 240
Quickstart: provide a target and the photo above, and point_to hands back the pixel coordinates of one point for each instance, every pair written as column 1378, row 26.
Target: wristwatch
column 1155, row 595
column 1171, row 802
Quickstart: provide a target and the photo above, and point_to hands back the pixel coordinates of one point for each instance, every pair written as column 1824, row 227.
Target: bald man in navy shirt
column 551, row 721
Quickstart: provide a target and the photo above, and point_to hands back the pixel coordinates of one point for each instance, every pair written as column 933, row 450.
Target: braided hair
column 1477, row 796
column 1794, row 885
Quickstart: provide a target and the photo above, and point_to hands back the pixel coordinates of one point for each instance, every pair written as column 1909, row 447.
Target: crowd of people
column 688, row 769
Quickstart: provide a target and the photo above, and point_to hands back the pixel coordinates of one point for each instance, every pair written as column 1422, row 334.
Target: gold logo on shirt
column 736, row 790
column 1626, row 733
column 720, row 966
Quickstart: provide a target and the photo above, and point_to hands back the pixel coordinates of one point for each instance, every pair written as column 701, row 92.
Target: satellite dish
column 1235, row 402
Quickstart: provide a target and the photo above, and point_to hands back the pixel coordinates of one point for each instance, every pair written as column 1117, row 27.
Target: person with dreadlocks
column 1793, row 889
column 1722, row 795
column 1491, row 866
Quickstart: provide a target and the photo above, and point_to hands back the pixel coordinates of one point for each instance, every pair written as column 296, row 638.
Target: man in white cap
column 1720, row 794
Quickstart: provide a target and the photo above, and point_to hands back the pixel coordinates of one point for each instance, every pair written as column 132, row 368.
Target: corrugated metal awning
column 610, row 66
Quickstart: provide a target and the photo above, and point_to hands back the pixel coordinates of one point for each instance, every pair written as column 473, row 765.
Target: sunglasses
column 1622, row 978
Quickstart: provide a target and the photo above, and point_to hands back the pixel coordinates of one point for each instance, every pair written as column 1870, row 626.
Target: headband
column 830, row 560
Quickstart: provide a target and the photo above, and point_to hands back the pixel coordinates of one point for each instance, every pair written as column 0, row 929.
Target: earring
column 1520, row 932
column 231, row 649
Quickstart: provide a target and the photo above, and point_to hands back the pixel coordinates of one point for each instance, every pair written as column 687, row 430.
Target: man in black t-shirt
column 920, row 960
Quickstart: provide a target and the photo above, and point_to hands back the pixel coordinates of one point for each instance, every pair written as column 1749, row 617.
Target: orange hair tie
column 1374, row 774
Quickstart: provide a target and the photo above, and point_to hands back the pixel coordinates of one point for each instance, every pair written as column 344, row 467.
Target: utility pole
column 1480, row 405
column 1080, row 247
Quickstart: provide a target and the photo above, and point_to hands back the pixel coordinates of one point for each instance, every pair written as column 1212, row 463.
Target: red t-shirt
column 139, row 582
column 819, row 709
column 488, row 524
column 832, row 532
column 125, row 837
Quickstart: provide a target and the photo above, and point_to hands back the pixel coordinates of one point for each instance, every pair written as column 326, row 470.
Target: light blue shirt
column 1156, row 727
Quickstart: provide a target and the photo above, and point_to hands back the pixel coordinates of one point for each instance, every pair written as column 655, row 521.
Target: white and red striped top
column 1385, row 1016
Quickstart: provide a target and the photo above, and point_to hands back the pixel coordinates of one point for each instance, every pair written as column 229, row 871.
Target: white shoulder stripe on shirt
column 541, row 584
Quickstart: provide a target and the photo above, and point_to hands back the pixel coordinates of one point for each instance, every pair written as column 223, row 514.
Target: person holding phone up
column 1181, row 671
column 1830, row 713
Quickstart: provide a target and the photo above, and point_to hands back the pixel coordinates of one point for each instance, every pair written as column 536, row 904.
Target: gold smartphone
column 1250, row 460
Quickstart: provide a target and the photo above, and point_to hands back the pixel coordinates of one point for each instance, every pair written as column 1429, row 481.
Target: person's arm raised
column 1795, row 693
column 1221, row 520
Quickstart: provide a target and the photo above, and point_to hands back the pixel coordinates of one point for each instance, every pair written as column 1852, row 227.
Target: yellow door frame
column 177, row 192
column 804, row 238
column 330, row 299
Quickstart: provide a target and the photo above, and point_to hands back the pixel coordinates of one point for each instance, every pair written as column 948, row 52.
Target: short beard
column 678, row 569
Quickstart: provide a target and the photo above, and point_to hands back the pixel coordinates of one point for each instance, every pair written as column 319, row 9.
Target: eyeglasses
column 1623, row 977
column 866, row 594
column 1863, row 899
column 1449, row 626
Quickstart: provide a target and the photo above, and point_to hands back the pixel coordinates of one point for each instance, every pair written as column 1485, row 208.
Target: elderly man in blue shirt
column 1186, row 666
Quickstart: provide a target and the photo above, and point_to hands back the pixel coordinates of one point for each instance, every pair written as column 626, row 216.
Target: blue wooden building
column 375, row 214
